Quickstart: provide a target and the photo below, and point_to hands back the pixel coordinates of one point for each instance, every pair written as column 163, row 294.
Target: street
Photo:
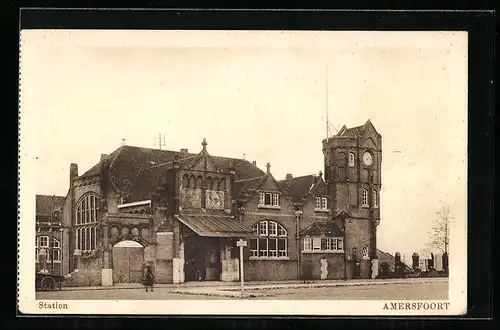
column 397, row 291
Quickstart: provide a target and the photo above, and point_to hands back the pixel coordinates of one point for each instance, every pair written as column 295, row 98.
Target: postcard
column 171, row 172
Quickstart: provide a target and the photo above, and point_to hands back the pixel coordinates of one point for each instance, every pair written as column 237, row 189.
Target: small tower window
column 365, row 198
column 365, row 252
column 351, row 159
column 375, row 198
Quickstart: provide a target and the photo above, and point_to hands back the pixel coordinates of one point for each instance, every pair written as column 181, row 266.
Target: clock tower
column 353, row 159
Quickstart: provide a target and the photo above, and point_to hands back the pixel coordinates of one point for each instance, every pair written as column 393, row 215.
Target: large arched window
column 272, row 241
column 86, row 223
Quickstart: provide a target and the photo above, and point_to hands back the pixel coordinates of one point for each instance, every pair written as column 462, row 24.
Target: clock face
column 367, row 158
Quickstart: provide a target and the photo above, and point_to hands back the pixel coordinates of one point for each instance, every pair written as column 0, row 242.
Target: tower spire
column 326, row 100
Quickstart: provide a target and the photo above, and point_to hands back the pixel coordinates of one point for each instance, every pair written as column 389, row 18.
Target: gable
column 269, row 184
column 203, row 162
column 369, row 143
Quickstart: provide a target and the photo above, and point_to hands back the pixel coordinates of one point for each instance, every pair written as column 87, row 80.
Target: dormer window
column 321, row 204
column 269, row 199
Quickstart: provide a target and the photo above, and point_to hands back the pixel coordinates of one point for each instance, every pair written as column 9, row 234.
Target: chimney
column 73, row 171
column 268, row 168
column 123, row 142
column 289, row 176
column 184, row 153
column 254, row 163
column 104, row 171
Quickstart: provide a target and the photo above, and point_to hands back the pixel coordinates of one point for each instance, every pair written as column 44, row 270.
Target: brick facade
column 187, row 211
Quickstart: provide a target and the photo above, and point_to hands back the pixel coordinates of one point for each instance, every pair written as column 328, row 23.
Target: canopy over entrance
column 215, row 225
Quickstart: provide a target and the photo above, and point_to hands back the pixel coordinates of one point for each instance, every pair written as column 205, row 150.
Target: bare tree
column 440, row 233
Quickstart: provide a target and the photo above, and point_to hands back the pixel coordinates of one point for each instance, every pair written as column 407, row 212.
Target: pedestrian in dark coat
column 149, row 278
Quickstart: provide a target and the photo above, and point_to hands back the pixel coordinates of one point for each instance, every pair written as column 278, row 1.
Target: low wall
column 270, row 270
column 311, row 265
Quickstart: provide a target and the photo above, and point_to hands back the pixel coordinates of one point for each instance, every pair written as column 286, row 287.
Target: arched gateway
column 128, row 261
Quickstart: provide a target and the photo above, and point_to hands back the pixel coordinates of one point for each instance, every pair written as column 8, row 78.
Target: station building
column 182, row 213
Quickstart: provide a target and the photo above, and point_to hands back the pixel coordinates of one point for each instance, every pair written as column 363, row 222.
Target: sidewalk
column 232, row 287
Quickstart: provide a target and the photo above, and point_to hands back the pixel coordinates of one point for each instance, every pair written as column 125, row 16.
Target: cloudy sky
column 259, row 95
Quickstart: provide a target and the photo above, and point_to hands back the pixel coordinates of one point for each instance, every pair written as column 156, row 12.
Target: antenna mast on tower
column 160, row 141
column 328, row 124
column 326, row 100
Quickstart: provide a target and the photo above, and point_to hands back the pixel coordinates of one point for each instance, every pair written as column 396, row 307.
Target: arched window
column 222, row 184
column 192, row 182
column 375, row 198
column 185, row 181
column 86, row 223
column 272, row 241
column 351, row 159
column 365, row 252
column 209, row 183
column 365, row 198
column 199, row 182
column 215, row 184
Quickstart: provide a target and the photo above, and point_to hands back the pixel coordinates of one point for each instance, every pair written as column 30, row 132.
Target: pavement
column 255, row 289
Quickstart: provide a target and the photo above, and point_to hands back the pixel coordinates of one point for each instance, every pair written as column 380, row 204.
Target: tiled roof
column 354, row 131
column 46, row 204
column 215, row 226
column 128, row 164
column 241, row 187
column 299, row 187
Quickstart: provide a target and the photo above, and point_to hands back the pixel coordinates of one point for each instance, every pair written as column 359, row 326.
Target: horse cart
column 48, row 281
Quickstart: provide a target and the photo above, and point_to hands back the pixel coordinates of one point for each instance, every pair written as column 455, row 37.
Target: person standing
column 149, row 278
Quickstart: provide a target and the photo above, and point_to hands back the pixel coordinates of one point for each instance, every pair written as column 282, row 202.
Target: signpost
column 241, row 243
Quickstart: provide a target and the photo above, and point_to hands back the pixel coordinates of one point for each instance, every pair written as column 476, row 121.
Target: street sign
column 241, row 243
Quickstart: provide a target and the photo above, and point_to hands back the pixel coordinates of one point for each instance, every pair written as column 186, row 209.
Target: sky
column 258, row 95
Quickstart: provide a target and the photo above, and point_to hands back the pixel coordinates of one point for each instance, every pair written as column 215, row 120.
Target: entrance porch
column 208, row 247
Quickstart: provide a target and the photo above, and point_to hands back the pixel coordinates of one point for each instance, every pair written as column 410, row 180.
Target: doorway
column 128, row 260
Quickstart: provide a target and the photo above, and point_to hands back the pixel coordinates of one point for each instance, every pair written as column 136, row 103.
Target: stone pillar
column 324, row 269
column 374, row 268
column 107, row 270
column 78, row 259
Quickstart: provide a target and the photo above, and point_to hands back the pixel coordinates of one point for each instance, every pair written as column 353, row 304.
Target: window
column 321, row 203
column 375, row 199
column 365, row 252
column 273, row 228
column 272, row 240
column 55, row 244
column 323, row 244
column 307, row 244
column 86, row 238
column 316, row 243
column 269, row 199
column 86, row 223
column 44, row 241
column 86, row 210
column 53, row 253
column 365, row 197
column 351, row 159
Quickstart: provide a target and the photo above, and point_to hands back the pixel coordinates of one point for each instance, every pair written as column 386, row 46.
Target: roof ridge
column 249, row 179
column 299, row 177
